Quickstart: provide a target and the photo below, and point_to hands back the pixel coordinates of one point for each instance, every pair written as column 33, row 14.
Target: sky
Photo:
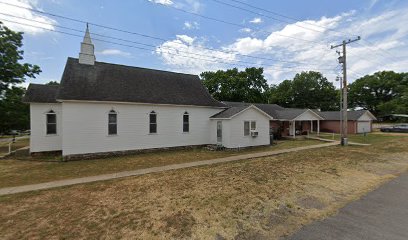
column 193, row 36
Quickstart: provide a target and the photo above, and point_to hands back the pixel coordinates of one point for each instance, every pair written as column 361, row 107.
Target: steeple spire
column 87, row 55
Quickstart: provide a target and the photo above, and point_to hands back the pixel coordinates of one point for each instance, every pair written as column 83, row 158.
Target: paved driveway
column 381, row 214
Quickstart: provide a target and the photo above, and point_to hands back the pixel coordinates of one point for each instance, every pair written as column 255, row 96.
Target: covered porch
column 302, row 123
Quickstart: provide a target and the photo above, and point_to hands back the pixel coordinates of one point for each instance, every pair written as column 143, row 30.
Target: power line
column 148, row 45
column 236, row 24
column 296, row 19
column 263, row 15
column 144, row 35
column 173, row 54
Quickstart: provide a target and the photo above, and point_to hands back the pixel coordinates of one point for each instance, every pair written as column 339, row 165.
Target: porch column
column 294, row 128
column 318, row 127
column 311, row 126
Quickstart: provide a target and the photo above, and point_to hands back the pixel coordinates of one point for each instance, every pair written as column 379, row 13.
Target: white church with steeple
column 107, row 109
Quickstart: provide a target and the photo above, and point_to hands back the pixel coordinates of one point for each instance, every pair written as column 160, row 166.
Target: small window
column 246, row 128
column 51, row 122
column 112, row 123
column 153, row 122
column 249, row 126
column 253, row 126
column 186, row 123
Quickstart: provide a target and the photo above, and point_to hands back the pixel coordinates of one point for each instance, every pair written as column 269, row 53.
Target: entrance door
column 219, row 132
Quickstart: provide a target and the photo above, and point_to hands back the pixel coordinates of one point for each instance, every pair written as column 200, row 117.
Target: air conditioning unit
column 254, row 134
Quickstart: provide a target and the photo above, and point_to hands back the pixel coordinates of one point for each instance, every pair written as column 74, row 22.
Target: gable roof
column 273, row 110
column 39, row 93
column 119, row 83
column 351, row 115
column 233, row 111
column 269, row 109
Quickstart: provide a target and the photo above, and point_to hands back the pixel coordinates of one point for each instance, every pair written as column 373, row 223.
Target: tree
column 14, row 114
column 233, row 85
column 53, row 83
column 306, row 90
column 382, row 92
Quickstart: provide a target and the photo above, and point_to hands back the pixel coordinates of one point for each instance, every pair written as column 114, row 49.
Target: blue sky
column 192, row 44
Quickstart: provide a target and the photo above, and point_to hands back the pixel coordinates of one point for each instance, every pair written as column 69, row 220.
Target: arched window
column 186, row 122
column 152, row 122
column 112, row 122
column 51, row 122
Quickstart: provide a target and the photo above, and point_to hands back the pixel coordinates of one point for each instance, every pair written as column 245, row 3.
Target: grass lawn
column 20, row 172
column 369, row 138
column 263, row 198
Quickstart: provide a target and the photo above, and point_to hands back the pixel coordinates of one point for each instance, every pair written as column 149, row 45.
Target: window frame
column 47, row 123
column 111, row 124
column 186, row 124
column 249, row 126
column 153, row 124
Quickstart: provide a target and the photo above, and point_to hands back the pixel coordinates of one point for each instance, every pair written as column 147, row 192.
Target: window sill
column 51, row 135
column 112, row 135
column 152, row 134
column 185, row 132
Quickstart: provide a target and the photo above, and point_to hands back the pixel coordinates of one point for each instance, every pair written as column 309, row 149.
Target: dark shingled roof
column 39, row 93
column 119, row 83
column 270, row 109
column 273, row 110
column 229, row 112
column 289, row 113
column 335, row 115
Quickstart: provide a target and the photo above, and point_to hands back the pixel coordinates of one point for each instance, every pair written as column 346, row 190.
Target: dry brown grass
column 35, row 170
column 4, row 146
column 252, row 199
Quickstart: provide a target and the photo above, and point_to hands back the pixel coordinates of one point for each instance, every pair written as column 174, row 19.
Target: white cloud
column 163, row 2
column 114, row 52
column 256, row 20
column 32, row 18
column 191, row 25
column 190, row 55
column 189, row 5
column 383, row 46
column 245, row 30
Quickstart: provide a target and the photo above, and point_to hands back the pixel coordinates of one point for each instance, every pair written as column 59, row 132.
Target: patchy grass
column 4, row 146
column 369, row 138
column 41, row 169
column 263, row 198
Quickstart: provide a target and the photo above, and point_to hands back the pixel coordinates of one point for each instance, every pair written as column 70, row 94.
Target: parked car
column 396, row 128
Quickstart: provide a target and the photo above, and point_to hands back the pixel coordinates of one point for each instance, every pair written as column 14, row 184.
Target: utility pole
column 342, row 59
column 340, row 79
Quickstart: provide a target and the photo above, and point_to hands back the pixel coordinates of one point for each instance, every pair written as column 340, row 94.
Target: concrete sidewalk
column 68, row 182
column 381, row 214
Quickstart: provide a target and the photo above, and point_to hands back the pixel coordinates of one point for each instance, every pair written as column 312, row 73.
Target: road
column 381, row 214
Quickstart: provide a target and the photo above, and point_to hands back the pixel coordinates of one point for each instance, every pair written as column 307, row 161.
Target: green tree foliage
column 306, row 90
column 233, row 85
column 13, row 113
column 52, row 83
column 382, row 93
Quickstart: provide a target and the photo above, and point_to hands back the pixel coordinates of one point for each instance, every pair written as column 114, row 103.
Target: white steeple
column 87, row 55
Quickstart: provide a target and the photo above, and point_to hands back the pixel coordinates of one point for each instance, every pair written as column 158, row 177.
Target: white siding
column 85, row 127
column 308, row 115
column 39, row 140
column 365, row 117
column 363, row 127
column 233, row 130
